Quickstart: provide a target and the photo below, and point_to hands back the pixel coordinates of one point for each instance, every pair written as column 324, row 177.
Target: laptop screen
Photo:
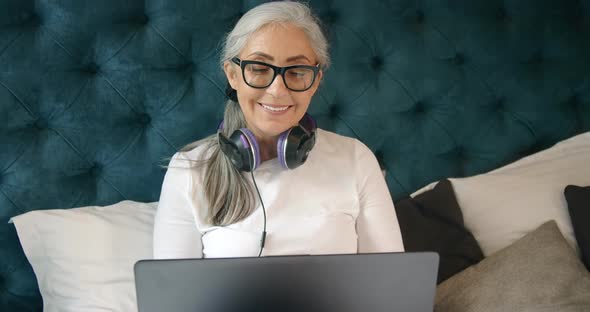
column 344, row 283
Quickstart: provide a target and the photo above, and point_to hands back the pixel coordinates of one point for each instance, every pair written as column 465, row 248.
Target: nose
column 277, row 88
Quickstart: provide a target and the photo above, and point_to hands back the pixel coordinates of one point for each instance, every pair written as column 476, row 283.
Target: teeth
column 275, row 109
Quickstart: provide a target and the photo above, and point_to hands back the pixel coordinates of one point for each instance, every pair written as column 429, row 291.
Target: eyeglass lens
column 260, row 76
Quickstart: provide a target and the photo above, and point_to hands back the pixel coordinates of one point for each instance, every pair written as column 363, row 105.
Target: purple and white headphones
column 293, row 146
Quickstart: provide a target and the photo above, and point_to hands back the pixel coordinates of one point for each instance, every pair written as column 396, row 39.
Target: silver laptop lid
column 326, row 283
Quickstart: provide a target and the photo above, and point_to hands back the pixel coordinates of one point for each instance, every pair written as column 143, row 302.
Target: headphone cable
column 263, row 238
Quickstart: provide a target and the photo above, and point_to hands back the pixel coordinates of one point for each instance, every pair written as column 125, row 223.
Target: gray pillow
column 539, row 272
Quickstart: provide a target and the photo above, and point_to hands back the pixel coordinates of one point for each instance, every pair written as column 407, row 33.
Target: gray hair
column 227, row 191
column 283, row 12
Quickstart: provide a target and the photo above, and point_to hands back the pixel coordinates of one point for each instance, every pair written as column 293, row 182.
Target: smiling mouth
column 274, row 108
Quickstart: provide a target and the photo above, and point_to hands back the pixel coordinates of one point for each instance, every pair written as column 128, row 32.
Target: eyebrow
column 290, row 59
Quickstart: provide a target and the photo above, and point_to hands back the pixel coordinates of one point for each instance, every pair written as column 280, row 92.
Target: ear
column 317, row 81
column 231, row 74
column 320, row 76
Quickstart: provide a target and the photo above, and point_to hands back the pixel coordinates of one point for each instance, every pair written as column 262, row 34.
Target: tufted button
column 379, row 156
column 144, row 119
column 537, row 58
column 30, row 17
column 573, row 101
column 190, row 67
column 501, row 15
column 95, row 170
column 376, row 62
column 41, row 124
column 330, row 17
column 459, row 59
column 578, row 21
column 235, row 18
column 143, row 19
column 419, row 107
column 419, row 16
column 460, row 153
column 499, row 104
column 25, row 16
column 334, row 110
column 92, row 68
column 238, row 16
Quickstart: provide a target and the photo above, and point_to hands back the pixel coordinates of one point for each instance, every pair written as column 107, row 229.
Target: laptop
column 321, row 283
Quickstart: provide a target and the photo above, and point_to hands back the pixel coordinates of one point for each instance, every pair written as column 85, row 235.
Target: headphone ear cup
column 306, row 145
column 246, row 142
column 237, row 155
column 241, row 148
column 295, row 147
column 282, row 148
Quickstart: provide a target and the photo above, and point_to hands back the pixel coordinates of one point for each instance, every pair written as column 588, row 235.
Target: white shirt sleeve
column 377, row 226
column 175, row 231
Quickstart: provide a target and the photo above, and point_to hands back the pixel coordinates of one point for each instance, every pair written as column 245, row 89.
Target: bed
column 94, row 96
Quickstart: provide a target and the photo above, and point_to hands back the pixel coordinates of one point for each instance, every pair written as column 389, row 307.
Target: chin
column 275, row 131
column 276, row 127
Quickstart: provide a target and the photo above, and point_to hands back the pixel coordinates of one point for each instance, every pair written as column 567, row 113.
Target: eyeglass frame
column 277, row 70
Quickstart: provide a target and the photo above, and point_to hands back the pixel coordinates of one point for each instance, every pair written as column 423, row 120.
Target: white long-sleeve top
column 335, row 203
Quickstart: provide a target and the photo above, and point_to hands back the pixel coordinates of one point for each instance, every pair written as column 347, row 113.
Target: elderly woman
column 269, row 182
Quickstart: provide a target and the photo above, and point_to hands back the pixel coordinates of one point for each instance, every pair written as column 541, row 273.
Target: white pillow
column 83, row 257
column 503, row 205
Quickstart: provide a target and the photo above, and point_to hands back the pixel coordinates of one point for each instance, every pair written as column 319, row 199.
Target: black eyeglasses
column 260, row 75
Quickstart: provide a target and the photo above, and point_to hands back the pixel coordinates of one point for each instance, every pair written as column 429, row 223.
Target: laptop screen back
column 344, row 283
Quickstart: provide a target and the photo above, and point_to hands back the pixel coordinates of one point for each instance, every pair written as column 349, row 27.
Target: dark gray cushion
column 539, row 272
column 432, row 221
column 578, row 204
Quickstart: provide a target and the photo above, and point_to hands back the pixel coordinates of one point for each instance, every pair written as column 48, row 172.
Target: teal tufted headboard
column 94, row 94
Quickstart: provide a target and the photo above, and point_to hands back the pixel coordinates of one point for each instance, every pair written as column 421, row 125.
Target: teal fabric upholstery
column 94, row 94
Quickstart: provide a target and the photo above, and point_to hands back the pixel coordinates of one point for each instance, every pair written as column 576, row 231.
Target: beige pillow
column 502, row 205
column 539, row 272
column 83, row 257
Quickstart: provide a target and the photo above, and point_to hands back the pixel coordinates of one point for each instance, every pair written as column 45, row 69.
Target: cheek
column 246, row 93
column 303, row 99
column 248, row 98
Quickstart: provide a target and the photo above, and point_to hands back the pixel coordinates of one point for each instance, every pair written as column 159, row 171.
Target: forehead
column 279, row 41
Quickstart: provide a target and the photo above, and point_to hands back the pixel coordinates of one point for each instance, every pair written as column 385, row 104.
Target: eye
column 298, row 73
column 259, row 69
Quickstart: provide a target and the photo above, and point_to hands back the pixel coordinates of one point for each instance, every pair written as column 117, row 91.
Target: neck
column 268, row 147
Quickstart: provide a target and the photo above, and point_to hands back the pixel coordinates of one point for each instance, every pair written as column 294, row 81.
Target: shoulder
column 334, row 142
column 345, row 152
column 192, row 155
column 329, row 139
column 186, row 167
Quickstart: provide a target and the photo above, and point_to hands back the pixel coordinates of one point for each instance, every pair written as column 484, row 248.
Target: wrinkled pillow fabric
column 539, row 272
column 499, row 207
column 432, row 221
column 83, row 257
column 578, row 204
